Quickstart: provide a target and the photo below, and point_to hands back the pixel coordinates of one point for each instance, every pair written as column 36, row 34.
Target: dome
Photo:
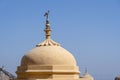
column 48, row 55
column 48, row 61
column 87, row 75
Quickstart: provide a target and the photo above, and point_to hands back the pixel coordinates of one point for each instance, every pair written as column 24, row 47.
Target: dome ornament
column 46, row 14
column 48, row 41
column 47, row 29
column 86, row 71
column 87, row 75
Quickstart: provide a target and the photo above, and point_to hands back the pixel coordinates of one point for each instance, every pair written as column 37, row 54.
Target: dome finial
column 46, row 14
column 86, row 71
column 47, row 29
column 48, row 41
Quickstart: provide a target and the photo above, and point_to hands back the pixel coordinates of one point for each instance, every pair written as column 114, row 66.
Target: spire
column 47, row 29
column 48, row 41
column 87, row 75
column 2, row 68
column 86, row 71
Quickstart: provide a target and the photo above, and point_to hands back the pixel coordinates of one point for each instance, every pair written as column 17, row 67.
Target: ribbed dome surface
column 48, row 55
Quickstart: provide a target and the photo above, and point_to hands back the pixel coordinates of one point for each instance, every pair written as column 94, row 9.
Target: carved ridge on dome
column 48, row 42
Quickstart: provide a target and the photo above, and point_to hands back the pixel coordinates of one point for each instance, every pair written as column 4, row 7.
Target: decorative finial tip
column 47, row 29
column 48, row 41
column 2, row 67
column 46, row 14
column 86, row 70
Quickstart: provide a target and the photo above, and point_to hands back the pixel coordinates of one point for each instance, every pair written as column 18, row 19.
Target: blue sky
column 89, row 29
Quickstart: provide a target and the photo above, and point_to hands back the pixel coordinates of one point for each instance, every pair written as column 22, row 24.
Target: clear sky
column 89, row 29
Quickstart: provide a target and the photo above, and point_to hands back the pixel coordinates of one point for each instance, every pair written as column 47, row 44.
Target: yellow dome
column 48, row 55
column 87, row 75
